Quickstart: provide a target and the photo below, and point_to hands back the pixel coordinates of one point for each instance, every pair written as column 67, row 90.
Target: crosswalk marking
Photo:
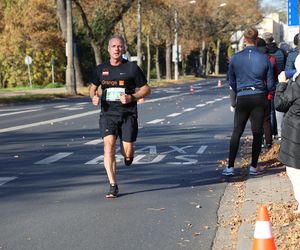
column 54, row 158
column 4, row 180
column 94, row 142
column 201, row 149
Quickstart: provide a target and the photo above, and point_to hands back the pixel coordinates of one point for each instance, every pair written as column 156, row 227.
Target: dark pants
column 248, row 107
column 267, row 125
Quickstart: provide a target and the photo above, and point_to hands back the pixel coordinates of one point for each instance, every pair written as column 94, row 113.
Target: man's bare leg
column 110, row 157
column 128, row 152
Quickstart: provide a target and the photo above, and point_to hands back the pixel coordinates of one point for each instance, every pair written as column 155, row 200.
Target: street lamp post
column 70, row 75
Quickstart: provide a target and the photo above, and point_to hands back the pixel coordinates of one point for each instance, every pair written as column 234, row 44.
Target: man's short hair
column 296, row 39
column 268, row 37
column 251, row 34
column 117, row 37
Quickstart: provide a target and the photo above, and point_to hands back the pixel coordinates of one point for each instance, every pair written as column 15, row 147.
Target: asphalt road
column 53, row 183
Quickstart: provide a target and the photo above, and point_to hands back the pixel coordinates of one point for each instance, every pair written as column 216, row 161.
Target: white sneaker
column 228, row 171
column 255, row 171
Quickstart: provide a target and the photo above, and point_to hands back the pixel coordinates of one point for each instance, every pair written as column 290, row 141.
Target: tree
column 37, row 37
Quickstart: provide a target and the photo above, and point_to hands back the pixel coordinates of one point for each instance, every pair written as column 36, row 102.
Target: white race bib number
column 113, row 94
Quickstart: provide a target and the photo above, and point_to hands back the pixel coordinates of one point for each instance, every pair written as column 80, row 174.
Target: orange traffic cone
column 263, row 238
column 192, row 90
column 219, row 84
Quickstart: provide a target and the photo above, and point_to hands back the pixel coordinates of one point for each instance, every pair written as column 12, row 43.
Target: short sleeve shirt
column 124, row 78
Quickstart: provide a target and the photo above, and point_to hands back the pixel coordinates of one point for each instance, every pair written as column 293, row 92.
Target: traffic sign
column 28, row 60
column 293, row 18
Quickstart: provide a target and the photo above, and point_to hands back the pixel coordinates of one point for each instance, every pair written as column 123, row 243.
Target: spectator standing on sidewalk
column 287, row 99
column 280, row 55
column 249, row 71
column 292, row 55
column 261, row 45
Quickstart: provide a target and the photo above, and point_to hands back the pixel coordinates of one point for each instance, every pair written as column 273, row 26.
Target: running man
column 119, row 79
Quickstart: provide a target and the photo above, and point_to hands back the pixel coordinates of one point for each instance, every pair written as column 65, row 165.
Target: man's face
column 115, row 48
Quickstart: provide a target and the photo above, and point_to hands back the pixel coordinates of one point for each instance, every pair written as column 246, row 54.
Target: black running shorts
column 124, row 126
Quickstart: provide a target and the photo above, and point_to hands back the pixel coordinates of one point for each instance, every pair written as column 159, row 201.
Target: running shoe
column 255, row 171
column 228, row 171
column 128, row 161
column 113, row 191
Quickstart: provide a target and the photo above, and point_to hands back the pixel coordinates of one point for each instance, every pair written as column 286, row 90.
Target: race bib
column 113, row 94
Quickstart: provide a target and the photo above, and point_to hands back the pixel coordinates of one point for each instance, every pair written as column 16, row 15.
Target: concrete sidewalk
column 270, row 187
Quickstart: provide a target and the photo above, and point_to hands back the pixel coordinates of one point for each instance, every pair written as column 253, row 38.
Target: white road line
column 201, row 149
column 189, row 109
column 48, row 121
column 218, row 99
column 20, row 112
column 155, row 121
column 210, row 102
column 94, row 142
column 82, row 103
column 73, row 108
column 61, row 106
column 201, row 105
column 4, row 180
column 54, row 158
column 174, row 114
column 19, row 109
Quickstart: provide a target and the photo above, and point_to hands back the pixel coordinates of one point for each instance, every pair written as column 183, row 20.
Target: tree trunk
column 62, row 16
column 148, row 59
column 207, row 62
column 168, row 60
column 217, row 57
column 157, row 63
column 97, row 52
column 139, row 34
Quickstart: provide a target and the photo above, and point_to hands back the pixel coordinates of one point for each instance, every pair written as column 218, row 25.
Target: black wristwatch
column 133, row 98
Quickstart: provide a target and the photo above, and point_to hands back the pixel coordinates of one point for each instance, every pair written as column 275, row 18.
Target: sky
column 271, row 2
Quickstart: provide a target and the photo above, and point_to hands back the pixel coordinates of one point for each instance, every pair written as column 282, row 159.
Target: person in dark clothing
column 122, row 84
column 287, row 99
column 261, row 45
column 280, row 55
column 292, row 55
column 273, row 50
column 250, row 78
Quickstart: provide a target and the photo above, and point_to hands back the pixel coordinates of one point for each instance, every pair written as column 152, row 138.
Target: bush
column 54, row 85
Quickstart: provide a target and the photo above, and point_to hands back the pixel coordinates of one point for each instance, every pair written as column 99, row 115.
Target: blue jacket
column 251, row 72
column 279, row 54
column 291, row 59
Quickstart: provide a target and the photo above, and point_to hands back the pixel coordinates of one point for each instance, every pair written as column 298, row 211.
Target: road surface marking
column 94, row 142
column 156, row 121
column 73, row 108
column 4, row 180
column 201, row 149
column 61, row 106
column 49, row 121
column 189, row 109
column 174, row 114
column 200, row 105
column 20, row 112
column 54, row 158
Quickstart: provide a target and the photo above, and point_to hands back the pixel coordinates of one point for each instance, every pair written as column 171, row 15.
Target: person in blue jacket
column 250, row 79
column 290, row 61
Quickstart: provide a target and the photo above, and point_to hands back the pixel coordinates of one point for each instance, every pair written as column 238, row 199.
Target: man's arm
column 141, row 93
column 94, row 94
